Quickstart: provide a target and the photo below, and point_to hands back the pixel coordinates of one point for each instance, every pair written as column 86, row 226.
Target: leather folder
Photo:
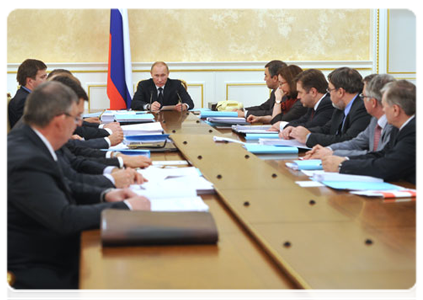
column 126, row 228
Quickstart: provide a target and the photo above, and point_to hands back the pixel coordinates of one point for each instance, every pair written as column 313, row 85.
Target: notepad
column 264, row 149
column 131, row 152
column 311, row 164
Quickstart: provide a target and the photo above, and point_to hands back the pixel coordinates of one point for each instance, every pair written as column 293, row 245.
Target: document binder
column 126, row 228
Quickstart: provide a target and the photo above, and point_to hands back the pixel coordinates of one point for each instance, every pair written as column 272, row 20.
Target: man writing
column 160, row 90
column 45, row 213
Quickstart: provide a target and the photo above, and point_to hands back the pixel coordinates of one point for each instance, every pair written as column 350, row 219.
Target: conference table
column 273, row 234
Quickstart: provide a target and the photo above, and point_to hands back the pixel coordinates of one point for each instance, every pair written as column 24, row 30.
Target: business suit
column 96, row 155
column 313, row 118
column 397, row 161
column 173, row 91
column 364, row 142
column 16, row 106
column 98, row 143
column 44, row 220
column 264, row 109
column 90, row 132
column 296, row 111
column 356, row 121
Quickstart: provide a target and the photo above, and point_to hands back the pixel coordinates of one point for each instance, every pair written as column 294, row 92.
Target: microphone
column 151, row 98
column 179, row 97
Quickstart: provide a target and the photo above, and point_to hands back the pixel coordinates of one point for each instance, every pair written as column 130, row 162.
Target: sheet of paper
column 169, row 163
column 309, row 183
column 282, row 142
column 179, row 204
column 310, row 173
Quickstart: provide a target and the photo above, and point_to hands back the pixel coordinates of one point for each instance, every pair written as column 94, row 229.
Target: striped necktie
column 376, row 139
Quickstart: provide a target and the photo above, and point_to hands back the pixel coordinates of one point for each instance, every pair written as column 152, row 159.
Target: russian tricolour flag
column 119, row 78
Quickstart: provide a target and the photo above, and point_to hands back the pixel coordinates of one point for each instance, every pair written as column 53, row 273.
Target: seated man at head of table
column 311, row 88
column 272, row 82
column 348, row 119
column 45, row 214
column 397, row 160
column 375, row 136
column 160, row 90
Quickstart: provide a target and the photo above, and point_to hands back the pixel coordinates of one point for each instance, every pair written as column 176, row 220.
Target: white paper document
column 309, row 183
column 142, row 129
column 282, row 142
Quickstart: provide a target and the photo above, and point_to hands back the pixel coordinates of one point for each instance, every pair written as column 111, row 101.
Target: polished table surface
column 273, row 234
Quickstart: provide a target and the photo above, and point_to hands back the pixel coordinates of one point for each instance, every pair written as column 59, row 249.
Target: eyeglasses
column 364, row 96
column 77, row 119
column 282, row 83
column 330, row 90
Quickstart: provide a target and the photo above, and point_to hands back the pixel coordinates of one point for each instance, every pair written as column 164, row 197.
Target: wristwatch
column 278, row 102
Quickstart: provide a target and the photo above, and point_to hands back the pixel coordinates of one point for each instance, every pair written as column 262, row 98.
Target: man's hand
column 116, row 195
column 180, row 107
column 92, row 120
column 116, row 137
column 275, row 127
column 124, row 178
column 278, row 94
column 300, row 134
column 253, row 119
column 155, row 106
column 139, row 203
column 286, row 132
column 113, row 126
column 76, row 137
column 137, row 161
column 317, row 152
column 241, row 113
column 331, row 163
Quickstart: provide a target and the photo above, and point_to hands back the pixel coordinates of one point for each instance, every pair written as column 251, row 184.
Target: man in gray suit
column 375, row 136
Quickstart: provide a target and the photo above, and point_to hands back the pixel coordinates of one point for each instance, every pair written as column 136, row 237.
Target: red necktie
column 378, row 133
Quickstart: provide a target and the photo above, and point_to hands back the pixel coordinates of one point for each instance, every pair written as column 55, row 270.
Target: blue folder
column 133, row 117
column 265, row 149
column 360, row 185
column 311, row 164
column 256, row 136
column 206, row 114
column 143, row 138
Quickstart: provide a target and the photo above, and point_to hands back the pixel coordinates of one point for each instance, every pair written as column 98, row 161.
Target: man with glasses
column 45, row 214
column 397, row 160
column 350, row 116
column 375, row 136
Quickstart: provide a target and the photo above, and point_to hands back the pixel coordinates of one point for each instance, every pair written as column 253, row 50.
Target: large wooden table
column 273, row 234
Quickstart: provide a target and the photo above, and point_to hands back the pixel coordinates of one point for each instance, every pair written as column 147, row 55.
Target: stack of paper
column 264, row 129
column 134, row 118
column 122, row 148
column 108, row 116
column 388, row 194
column 207, row 114
column 154, row 128
column 353, row 182
column 310, row 164
column 226, row 120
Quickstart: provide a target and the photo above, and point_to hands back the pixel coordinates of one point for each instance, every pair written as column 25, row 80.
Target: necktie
column 312, row 114
column 339, row 131
column 378, row 133
column 160, row 97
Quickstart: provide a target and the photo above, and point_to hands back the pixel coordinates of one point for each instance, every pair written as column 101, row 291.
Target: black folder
column 126, row 228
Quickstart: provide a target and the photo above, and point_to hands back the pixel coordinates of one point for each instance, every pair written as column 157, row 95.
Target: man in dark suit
column 160, row 90
column 311, row 87
column 271, row 78
column 45, row 214
column 397, row 161
column 31, row 73
column 348, row 119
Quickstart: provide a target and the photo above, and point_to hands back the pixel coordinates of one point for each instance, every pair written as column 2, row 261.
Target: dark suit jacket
column 16, row 106
column 356, row 121
column 397, row 161
column 147, row 93
column 96, row 155
column 264, row 109
column 98, row 143
column 90, row 132
column 44, row 218
column 295, row 112
column 320, row 117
